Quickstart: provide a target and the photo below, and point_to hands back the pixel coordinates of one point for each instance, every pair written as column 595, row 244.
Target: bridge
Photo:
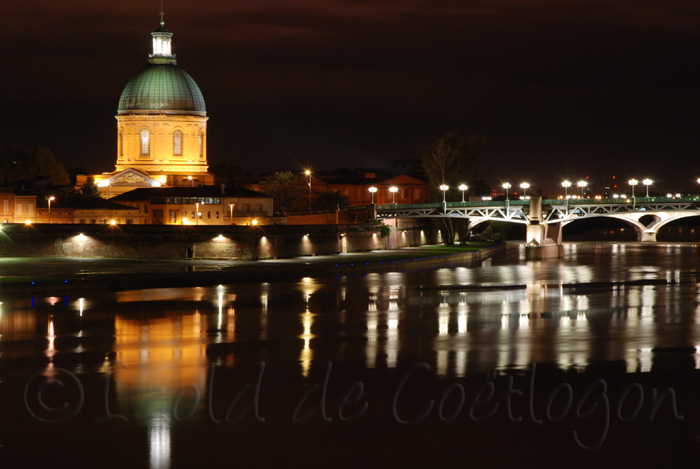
column 545, row 217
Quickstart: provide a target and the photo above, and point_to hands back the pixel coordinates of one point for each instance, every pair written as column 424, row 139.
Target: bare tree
column 453, row 159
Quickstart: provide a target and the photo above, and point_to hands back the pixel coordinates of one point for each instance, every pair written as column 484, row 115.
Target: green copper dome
column 162, row 88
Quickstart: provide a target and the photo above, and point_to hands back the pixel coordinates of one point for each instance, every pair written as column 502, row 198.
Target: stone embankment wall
column 205, row 242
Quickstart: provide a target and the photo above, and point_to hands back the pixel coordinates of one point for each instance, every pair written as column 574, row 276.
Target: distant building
column 208, row 205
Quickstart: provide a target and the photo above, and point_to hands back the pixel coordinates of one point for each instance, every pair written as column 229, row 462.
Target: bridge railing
column 520, row 203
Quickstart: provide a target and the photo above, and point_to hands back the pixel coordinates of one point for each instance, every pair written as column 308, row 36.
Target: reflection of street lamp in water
column 196, row 214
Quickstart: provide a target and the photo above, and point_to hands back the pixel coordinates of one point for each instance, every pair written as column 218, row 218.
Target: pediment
column 131, row 178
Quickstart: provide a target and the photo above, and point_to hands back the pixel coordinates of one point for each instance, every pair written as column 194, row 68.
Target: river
column 591, row 357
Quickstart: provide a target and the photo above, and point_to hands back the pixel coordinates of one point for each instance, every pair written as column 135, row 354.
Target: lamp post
column 308, row 174
column 372, row 190
column 443, row 188
column 463, row 187
column 393, row 190
column 582, row 184
column 566, row 185
column 633, row 182
column 506, row 186
column 524, row 186
column 49, row 200
column 647, row 182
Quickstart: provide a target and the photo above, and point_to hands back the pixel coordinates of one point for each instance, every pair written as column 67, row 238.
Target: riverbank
column 57, row 276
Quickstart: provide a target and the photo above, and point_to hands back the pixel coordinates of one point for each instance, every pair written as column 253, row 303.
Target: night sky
column 561, row 89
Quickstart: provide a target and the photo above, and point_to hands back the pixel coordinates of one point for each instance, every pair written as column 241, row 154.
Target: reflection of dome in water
column 165, row 88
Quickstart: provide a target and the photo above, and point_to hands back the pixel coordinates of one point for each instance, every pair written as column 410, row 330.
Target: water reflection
column 602, row 303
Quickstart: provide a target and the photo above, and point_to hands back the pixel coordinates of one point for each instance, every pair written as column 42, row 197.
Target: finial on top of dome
column 162, row 21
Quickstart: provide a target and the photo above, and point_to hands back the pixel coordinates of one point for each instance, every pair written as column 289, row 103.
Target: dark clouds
column 561, row 89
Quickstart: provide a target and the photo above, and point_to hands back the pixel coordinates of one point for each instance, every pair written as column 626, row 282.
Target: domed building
column 161, row 127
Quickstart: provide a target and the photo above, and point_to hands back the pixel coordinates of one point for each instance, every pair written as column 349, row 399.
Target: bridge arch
column 647, row 233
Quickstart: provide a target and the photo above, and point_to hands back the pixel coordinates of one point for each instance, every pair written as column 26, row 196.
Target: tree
column 453, row 159
column 331, row 200
column 89, row 189
column 286, row 190
column 18, row 163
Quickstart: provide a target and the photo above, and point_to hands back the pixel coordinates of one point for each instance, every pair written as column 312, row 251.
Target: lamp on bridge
column 582, row 184
column 566, row 185
column 633, row 182
column 393, row 190
column 372, row 190
column 524, row 186
column 506, row 186
column 443, row 188
column 463, row 187
column 647, row 182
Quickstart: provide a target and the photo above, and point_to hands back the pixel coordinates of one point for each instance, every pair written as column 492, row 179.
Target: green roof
column 162, row 88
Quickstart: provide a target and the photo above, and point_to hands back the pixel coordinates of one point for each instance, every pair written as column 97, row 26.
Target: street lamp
column 372, row 190
column 393, row 190
column 443, row 188
column 506, row 186
column 524, row 186
column 647, row 182
column 50, row 199
column 463, row 187
column 566, row 185
column 633, row 182
column 582, row 184
column 308, row 173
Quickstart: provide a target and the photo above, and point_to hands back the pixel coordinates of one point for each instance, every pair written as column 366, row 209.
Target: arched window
column 201, row 144
column 121, row 142
column 145, row 142
column 177, row 143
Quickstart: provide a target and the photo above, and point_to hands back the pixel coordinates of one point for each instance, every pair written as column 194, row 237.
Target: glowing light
column 254, row 222
column 103, row 183
column 113, row 222
column 28, row 222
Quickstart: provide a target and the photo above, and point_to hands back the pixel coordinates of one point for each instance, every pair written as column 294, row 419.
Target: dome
column 162, row 88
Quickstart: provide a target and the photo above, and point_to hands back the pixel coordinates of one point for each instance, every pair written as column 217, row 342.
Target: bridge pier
column 542, row 241
column 647, row 236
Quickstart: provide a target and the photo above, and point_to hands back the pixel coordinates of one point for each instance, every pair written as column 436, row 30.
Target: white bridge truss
column 663, row 210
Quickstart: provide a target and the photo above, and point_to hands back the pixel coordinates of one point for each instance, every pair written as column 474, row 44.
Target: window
column 145, row 142
column 405, row 194
column 129, row 221
column 208, row 214
column 82, row 221
column 217, row 214
column 6, row 206
column 177, row 143
column 357, row 194
column 173, row 216
column 192, row 213
column 121, row 141
column 93, row 221
column 246, row 207
column 30, row 209
column 201, row 144
column 416, row 194
column 258, row 208
column 145, row 208
column 19, row 209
